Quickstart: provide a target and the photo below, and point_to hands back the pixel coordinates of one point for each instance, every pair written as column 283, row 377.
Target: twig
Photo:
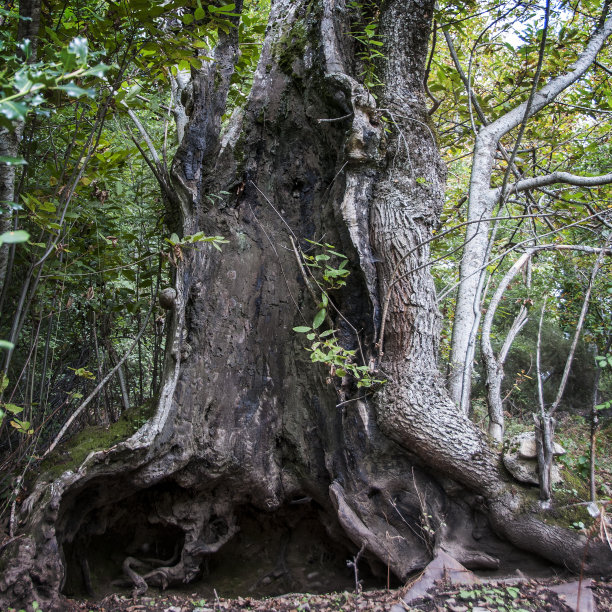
column 334, row 118
column 354, row 399
column 354, row 564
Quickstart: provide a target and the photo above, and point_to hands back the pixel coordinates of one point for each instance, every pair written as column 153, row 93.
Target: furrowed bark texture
column 247, row 425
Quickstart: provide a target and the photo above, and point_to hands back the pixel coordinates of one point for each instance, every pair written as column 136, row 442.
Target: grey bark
column 181, row 103
column 246, row 423
column 494, row 365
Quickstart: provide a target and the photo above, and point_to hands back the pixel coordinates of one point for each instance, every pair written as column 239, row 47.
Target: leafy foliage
column 365, row 15
column 325, row 347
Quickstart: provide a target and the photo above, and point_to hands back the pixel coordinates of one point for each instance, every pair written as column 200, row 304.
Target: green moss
column 565, row 512
column 530, row 496
column 568, row 510
column 71, row 454
column 292, row 47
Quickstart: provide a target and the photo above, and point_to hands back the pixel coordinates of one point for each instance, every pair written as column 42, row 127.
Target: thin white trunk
column 482, row 199
column 494, row 366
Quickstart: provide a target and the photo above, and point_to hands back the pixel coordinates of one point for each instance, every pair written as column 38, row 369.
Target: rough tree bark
column 245, row 423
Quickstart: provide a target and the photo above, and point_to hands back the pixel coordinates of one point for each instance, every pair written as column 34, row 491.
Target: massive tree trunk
column 246, row 425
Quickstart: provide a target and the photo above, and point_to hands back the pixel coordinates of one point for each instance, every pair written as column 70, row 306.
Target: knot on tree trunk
column 167, row 298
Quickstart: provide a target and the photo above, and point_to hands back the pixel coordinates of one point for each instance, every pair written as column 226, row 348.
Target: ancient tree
column 246, row 424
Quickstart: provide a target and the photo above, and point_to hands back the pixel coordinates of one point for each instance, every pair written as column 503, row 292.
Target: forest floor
column 526, row 596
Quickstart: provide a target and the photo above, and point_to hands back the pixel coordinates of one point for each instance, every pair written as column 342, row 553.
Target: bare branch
column 557, row 177
column 555, row 86
column 145, row 137
column 493, row 365
column 538, row 361
column 581, row 318
column 604, row 68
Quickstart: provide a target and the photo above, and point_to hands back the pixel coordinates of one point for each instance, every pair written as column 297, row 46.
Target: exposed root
column 156, row 572
column 203, row 548
column 140, row 584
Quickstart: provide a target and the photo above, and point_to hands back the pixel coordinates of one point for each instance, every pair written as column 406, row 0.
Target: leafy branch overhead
column 178, row 244
column 30, row 81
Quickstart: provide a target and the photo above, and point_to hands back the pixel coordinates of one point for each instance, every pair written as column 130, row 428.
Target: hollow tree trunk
column 246, row 423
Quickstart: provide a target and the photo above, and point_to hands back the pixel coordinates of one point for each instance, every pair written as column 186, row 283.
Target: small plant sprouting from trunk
column 321, row 271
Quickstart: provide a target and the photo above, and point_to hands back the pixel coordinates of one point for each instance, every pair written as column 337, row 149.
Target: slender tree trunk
column 482, row 200
column 494, row 366
column 246, row 423
column 29, row 23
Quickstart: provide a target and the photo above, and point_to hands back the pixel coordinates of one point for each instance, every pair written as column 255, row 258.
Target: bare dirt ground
column 527, row 596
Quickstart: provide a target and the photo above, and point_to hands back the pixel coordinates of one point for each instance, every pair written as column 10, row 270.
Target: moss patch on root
column 71, row 454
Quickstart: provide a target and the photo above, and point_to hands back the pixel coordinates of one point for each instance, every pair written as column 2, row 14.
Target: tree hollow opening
column 298, row 548
column 109, row 534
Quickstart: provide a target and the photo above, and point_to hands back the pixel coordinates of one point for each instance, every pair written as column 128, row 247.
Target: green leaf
column 13, row 409
column 301, row 329
column 188, row 19
column 319, row 318
column 326, row 333
column 513, row 591
column 18, row 424
column 14, row 237
column 12, row 161
column 313, row 242
column 97, row 71
column 311, row 336
column 226, row 8
column 200, row 13
column 26, row 47
column 13, row 111
column 78, row 47
column 74, row 91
